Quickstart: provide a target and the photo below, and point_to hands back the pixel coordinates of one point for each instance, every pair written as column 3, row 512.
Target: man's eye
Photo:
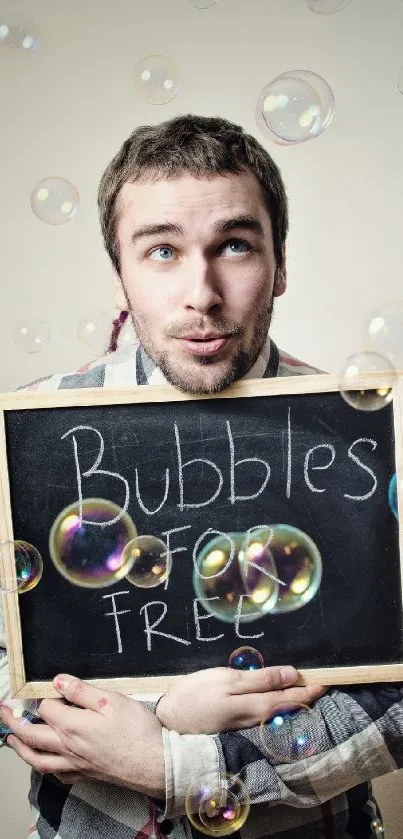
column 163, row 251
column 235, row 244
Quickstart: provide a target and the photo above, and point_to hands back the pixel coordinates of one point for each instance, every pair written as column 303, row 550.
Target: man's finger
column 43, row 762
column 81, row 693
column 40, row 737
column 261, row 681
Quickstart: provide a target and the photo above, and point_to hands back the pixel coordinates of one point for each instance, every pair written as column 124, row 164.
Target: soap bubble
column 218, row 806
column 289, row 734
column 296, row 106
column 400, row 81
column 157, row 79
column 377, row 828
column 28, row 566
column 17, row 36
column 367, row 398
column 296, row 560
column 54, row 200
column 385, row 332
column 203, row 4
column 246, row 658
column 218, row 574
column 31, row 335
column 90, row 554
column 326, row 7
column 94, row 330
column 150, row 561
column 392, row 495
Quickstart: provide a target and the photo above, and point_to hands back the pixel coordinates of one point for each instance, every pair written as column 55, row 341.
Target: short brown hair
column 202, row 146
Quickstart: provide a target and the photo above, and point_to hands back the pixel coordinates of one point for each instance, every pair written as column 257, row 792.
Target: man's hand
column 108, row 737
column 222, row 699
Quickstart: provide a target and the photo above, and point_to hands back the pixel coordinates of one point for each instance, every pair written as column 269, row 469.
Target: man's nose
column 202, row 288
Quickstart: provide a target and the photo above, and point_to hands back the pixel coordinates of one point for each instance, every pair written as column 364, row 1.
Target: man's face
column 198, row 275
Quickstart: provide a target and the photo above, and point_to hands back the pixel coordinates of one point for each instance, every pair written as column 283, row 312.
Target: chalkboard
column 180, row 446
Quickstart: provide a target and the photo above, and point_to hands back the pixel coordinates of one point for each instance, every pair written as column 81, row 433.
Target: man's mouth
column 207, row 344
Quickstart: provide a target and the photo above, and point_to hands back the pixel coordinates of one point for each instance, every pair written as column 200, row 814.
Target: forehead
column 191, row 200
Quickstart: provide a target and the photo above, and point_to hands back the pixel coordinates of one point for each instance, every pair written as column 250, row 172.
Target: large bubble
column 294, row 107
column 219, row 581
column 373, row 366
column 218, row 806
column 90, row 554
column 17, row 35
column 289, row 735
column 54, row 200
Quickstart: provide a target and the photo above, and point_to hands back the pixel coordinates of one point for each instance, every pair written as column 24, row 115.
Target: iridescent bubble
column 203, row 4
column 217, row 807
column 392, row 495
column 54, row 200
column 326, row 7
column 90, row 554
column 17, row 36
column 289, row 734
column 384, row 332
column 27, row 570
column 219, row 581
column 367, row 397
column 94, row 331
column 31, row 335
column 296, row 561
column 296, row 106
column 156, row 79
column 246, row 658
column 377, row 828
column 151, row 562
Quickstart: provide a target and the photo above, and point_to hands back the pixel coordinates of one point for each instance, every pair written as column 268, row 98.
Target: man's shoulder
column 288, row 365
column 117, row 369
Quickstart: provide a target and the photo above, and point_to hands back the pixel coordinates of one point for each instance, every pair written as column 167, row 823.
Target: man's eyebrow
column 244, row 221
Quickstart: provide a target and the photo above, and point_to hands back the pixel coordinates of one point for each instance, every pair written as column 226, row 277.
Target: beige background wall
column 66, row 111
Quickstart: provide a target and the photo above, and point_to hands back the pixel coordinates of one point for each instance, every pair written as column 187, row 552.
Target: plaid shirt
column 357, row 730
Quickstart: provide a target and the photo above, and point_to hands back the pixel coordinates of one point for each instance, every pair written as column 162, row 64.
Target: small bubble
column 31, row 335
column 289, row 735
column 326, row 7
column 372, row 366
column 218, row 807
column 157, row 79
column 150, row 561
column 294, row 107
column 28, row 566
column 246, row 658
column 54, row 200
column 94, row 331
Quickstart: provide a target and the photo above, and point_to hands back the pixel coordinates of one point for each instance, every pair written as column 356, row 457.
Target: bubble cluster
column 28, row 566
column 219, row 581
column 384, row 332
column 392, row 495
column 246, row 658
column 157, row 79
column 294, row 107
column 54, row 200
column 289, row 735
column 31, row 335
column 89, row 552
column 17, row 35
column 372, row 365
column 94, row 331
column 150, row 561
column 326, row 7
column 297, row 563
column 218, row 807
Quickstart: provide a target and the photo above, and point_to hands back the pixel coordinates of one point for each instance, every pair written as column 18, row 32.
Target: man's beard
column 187, row 380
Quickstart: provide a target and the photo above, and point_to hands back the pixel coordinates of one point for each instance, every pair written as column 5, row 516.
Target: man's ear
column 280, row 277
column 120, row 296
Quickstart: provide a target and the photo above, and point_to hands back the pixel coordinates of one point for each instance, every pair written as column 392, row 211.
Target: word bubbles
column 246, row 658
column 367, row 398
column 296, row 106
column 54, row 200
column 384, row 332
column 28, row 567
column 156, row 79
column 290, row 734
column 94, row 331
column 297, row 563
column 87, row 549
column 326, row 7
column 150, row 561
column 31, row 335
column 219, row 581
column 17, row 36
column 218, row 806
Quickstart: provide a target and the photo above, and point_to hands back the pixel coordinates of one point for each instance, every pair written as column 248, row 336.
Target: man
column 194, row 217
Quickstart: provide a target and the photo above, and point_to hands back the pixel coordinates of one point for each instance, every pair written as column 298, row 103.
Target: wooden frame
column 85, row 397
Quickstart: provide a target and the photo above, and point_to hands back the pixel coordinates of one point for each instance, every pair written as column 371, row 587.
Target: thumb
column 264, row 680
column 80, row 693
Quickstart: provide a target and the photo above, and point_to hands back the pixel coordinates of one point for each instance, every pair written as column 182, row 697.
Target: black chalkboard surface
column 350, row 631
